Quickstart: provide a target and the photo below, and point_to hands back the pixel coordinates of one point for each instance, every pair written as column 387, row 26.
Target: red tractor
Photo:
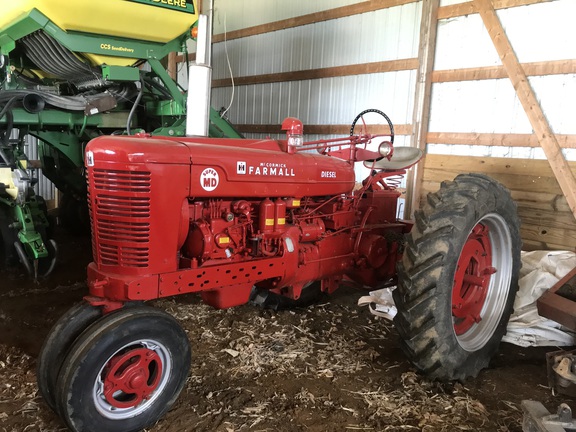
column 224, row 217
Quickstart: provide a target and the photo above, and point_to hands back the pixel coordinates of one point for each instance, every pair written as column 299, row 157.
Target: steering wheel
column 364, row 124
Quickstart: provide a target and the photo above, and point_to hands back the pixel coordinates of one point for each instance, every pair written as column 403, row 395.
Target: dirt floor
column 331, row 367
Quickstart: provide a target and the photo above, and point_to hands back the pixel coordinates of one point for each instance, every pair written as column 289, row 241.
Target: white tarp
column 540, row 271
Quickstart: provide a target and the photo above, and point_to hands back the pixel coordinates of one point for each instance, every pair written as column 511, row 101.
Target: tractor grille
column 122, row 217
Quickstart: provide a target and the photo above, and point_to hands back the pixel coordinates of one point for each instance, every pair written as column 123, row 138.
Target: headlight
column 386, row 149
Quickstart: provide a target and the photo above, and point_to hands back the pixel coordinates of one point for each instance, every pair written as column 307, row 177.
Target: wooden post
column 172, row 65
column 540, row 125
column 421, row 116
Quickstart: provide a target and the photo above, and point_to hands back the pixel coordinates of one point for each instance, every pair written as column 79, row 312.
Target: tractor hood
column 230, row 167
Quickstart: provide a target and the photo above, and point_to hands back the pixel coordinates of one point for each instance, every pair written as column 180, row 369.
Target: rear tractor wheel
column 458, row 277
column 124, row 372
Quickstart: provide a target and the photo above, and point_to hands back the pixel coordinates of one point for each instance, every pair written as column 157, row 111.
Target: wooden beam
column 560, row 167
column 495, row 139
column 542, row 207
column 469, row 7
column 331, row 72
column 559, row 67
column 341, row 130
column 172, row 65
column 180, row 57
column 330, row 14
column 421, row 114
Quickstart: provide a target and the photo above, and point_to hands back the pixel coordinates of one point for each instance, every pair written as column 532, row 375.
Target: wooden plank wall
column 547, row 222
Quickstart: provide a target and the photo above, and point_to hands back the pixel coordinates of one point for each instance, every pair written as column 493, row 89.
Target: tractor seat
column 403, row 157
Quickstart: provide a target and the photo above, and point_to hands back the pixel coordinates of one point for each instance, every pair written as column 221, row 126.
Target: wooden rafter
column 329, row 72
column 558, row 67
column 172, row 65
column 344, row 129
column 313, row 18
column 467, row 8
column 540, row 125
column 496, row 139
column 421, row 115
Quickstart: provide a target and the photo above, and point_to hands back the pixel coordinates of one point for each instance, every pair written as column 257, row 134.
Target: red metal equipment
column 226, row 218
column 219, row 217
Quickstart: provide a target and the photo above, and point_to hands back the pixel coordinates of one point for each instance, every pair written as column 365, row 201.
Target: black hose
column 10, row 122
column 72, row 103
column 9, row 127
column 159, row 87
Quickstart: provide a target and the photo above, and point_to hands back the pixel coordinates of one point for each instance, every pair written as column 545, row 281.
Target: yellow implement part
column 145, row 20
column 6, row 178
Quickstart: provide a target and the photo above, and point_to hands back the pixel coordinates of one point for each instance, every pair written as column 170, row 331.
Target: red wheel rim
column 472, row 280
column 131, row 377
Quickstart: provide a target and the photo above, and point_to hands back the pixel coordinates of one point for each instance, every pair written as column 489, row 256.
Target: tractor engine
column 218, row 217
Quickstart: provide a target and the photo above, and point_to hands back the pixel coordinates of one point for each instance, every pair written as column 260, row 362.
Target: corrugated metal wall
column 386, row 34
column 233, row 15
column 44, row 187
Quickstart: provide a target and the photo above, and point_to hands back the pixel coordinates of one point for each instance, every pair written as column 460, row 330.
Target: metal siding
column 44, row 187
column 323, row 101
column 463, row 42
column 240, row 14
column 488, row 106
column 386, row 34
column 539, row 32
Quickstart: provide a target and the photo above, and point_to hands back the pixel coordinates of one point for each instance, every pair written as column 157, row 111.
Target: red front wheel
column 458, row 277
column 124, row 372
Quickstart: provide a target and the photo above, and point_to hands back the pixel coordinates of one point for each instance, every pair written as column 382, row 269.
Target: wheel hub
column 472, row 280
column 131, row 377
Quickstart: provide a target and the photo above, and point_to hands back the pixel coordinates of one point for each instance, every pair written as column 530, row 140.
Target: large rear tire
column 458, row 277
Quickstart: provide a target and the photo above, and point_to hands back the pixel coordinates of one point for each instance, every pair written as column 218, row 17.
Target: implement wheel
column 124, row 372
column 458, row 277
column 58, row 343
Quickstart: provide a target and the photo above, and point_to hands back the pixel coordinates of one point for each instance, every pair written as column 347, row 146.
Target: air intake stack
column 200, row 77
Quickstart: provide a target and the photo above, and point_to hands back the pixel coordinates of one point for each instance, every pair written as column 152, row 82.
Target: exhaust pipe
column 33, row 103
column 200, row 78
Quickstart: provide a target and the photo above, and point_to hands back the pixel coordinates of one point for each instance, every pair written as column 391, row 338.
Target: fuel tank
column 231, row 167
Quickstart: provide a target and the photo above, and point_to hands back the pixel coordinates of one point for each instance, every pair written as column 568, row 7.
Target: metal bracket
column 538, row 419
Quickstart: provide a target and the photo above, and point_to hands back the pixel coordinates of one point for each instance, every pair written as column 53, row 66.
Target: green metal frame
column 62, row 134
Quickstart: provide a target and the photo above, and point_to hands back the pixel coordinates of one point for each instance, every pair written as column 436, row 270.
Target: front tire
column 124, row 372
column 57, row 344
column 458, row 277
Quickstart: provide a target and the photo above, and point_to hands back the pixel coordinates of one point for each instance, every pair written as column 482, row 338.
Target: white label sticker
column 240, row 167
column 90, row 159
column 328, row 174
column 209, row 179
